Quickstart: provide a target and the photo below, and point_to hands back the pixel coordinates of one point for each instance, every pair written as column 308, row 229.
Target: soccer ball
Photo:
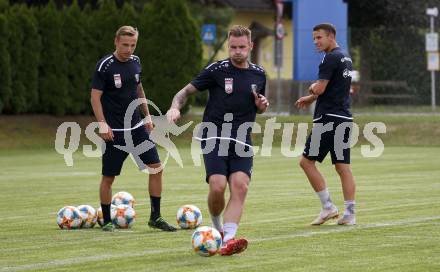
column 189, row 217
column 101, row 217
column 206, row 241
column 69, row 217
column 89, row 216
column 125, row 216
column 123, row 198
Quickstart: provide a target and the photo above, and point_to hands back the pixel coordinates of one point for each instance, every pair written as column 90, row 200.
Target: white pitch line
column 87, row 259
column 349, row 228
column 78, row 260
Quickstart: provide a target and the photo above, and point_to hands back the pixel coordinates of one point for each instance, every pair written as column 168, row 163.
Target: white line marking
column 86, row 259
column 349, row 228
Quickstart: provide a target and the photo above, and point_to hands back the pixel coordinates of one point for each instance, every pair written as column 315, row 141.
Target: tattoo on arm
column 181, row 97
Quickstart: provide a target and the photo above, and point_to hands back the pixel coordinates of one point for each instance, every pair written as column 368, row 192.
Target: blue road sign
column 208, row 33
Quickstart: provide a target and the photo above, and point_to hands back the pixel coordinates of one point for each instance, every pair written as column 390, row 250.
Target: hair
column 239, row 31
column 126, row 31
column 327, row 27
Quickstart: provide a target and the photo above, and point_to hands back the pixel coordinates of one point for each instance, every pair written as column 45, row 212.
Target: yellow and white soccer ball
column 206, row 241
column 89, row 216
column 123, row 198
column 189, row 217
column 125, row 216
column 69, row 217
column 101, row 217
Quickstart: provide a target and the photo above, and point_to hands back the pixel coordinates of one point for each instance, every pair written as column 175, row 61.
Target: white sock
column 324, row 196
column 217, row 222
column 230, row 231
column 349, row 207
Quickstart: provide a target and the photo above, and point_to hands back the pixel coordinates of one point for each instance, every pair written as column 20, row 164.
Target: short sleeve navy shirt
column 230, row 91
column 118, row 81
column 335, row 67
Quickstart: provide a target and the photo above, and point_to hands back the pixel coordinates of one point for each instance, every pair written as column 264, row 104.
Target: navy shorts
column 113, row 157
column 229, row 162
column 329, row 134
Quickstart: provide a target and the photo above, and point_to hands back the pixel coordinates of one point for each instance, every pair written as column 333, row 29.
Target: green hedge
column 5, row 65
column 48, row 55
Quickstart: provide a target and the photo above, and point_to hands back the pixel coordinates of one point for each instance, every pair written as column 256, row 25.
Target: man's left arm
column 144, row 107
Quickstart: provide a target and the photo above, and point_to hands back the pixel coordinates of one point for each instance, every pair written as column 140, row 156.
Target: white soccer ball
column 125, row 216
column 189, row 217
column 69, row 217
column 101, row 217
column 89, row 216
column 123, row 198
column 206, row 241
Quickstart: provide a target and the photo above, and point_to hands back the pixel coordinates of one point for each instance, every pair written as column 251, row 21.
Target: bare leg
column 315, row 178
column 216, row 196
column 347, row 180
column 238, row 185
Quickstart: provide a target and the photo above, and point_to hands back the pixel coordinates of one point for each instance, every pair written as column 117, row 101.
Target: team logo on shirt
column 118, row 81
column 228, row 85
column 254, row 87
column 136, row 76
column 346, row 73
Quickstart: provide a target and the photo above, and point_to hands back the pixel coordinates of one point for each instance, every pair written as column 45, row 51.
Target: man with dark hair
column 332, row 124
column 236, row 94
column 115, row 84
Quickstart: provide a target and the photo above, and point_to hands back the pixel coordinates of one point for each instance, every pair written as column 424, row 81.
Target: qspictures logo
column 66, row 144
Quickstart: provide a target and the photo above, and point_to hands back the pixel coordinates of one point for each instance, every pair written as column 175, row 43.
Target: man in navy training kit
column 236, row 93
column 115, row 84
column 331, row 92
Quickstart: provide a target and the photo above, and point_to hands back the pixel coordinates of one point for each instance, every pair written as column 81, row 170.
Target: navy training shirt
column 335, row 101
column 118, row 81
column 230, row 91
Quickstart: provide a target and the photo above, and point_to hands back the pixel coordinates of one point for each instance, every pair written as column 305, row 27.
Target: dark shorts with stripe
column 224, row 159
column 329, row 134
column 113, row 157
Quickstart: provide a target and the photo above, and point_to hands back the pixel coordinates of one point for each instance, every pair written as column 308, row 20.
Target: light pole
column 279, row 36
column 432, row 51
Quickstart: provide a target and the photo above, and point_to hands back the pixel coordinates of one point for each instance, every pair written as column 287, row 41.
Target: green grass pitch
column 398, row 216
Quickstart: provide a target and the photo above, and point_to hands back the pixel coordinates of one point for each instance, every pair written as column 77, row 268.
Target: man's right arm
column 179, row 101
column 104, row 129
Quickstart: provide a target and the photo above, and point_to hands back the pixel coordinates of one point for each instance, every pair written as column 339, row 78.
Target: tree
column 31, row 44
column 106, row 20
column 16, row 37
column 171, row 50
column 389, row 36
column 75, row 42
column 389, row 13
column 5, row 65
column 53, row 65
column 219, row 16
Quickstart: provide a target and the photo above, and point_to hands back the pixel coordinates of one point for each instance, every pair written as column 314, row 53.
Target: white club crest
column 229, row 85
column 254, row 87
column 118, row 80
